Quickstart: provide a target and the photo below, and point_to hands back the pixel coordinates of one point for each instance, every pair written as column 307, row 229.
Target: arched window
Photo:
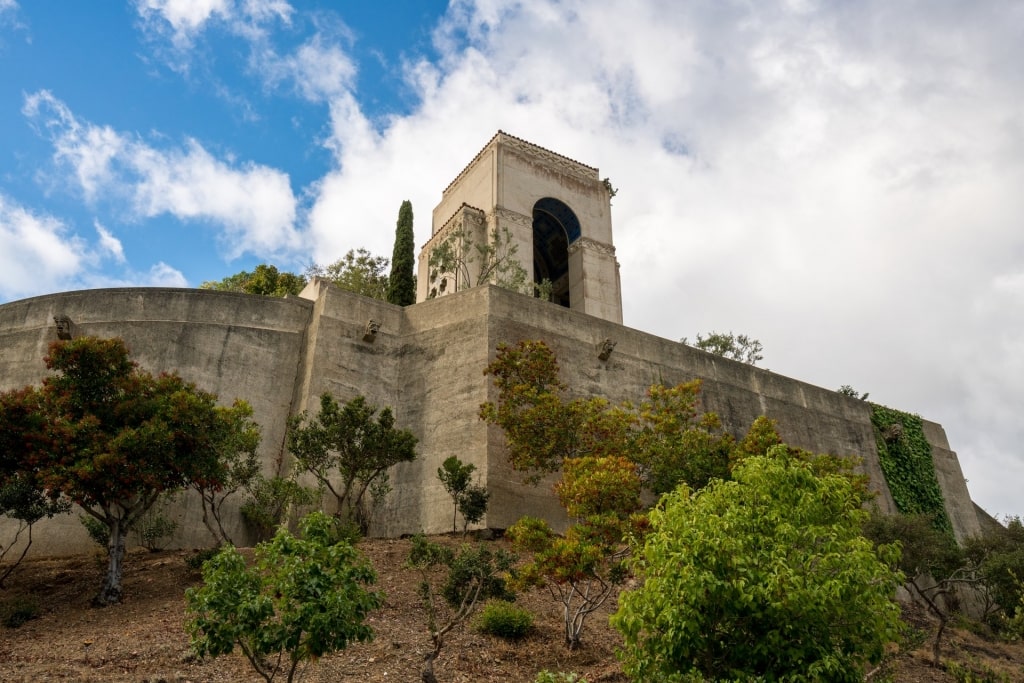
column 555, row 227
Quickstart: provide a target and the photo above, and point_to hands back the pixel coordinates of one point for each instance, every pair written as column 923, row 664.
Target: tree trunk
column 110, row 593
column 24, row 552
column 428, row 668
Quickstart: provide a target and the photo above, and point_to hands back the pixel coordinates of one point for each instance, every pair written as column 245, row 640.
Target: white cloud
column 184, row 20
column 318, row 69
column 252, row 206
column 89, row 150
column 109, row 244
column 163, row 275
column 158, row 275
column 40, row 254
column 38, row 251
column 794, row 171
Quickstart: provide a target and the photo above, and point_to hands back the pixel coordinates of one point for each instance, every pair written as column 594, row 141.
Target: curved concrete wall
column 235, row 345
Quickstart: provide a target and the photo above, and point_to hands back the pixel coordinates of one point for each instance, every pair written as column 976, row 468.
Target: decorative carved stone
column 587, row 243
column 63, row 326
column 372, row 327
column 564, row 165
column 893, row 432
column 605, row 348
column 510, row 216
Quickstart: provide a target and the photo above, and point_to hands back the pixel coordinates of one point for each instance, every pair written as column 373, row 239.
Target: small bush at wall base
column 16, row 611
column 504, row 620
column 196, row 560
column 154, row 530
column 962, row 673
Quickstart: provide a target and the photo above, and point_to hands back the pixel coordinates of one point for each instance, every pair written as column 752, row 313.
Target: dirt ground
column 143, row 640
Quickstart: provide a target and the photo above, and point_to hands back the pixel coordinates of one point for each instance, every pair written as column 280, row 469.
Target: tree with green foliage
column 358, row 271
column 113, row 438
column 847, row 390
column 236, row 469
column 465, row 263
column 989, row 566
column 402, row 281
column 270, row 499
column 999, row 555
column 765, row 575
column 349, row 449
column 934, row 565
column 265, row 280
column 728, row 345
column 472, row 575
column 303, row 598
column 468, row 498
column 676, row 442
column 579, row 569
column 542, row 429
column 667, row 434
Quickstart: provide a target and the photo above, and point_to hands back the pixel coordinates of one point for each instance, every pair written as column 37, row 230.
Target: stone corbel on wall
column 605, row 348
column 63, row 323
column 372, row 327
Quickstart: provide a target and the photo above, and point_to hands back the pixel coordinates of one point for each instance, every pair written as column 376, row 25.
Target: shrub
column 269, row 501
column 154, row 529
column 504, row 620
column 474, row 574
column 766, row 575
column 302, row 598
column 196, row 560
column 16, row 611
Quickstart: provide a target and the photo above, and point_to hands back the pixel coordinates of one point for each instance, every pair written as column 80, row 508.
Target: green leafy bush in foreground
column 302, row 598
column 763, row 576
column 503, row 619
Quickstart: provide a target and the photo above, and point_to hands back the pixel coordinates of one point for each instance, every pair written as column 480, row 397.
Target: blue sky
column 841, row 180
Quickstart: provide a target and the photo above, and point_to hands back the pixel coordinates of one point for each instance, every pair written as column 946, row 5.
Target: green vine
column 906, row 459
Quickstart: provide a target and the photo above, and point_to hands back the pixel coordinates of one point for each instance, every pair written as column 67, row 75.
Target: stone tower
column 558, row 216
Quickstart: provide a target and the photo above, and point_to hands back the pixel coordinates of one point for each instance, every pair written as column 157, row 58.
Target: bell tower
column 555, row 211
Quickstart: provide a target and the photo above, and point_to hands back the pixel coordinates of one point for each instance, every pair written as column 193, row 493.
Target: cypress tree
column 402, row 282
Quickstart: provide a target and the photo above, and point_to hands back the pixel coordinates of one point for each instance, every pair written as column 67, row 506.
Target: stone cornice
column 465, row 213
column 568, row 166
column 564, row 165
column 591, row 245
column 510, row 216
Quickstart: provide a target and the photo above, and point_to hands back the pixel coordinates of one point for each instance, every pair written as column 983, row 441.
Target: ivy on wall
column 906, row 459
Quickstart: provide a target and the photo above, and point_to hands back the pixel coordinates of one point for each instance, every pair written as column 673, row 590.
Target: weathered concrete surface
column 959, row 506
column 235, row 345
column 426, row 362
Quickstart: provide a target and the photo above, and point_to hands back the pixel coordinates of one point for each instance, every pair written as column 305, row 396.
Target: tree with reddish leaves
column 602, row 496
column 22, row 496
column 112, row 438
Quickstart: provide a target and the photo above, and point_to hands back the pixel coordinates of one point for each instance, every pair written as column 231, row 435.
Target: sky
column 842, row 180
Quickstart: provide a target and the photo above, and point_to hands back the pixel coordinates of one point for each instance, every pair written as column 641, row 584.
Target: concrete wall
column 235, row 345
column 809, row 417
column 426, row 362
